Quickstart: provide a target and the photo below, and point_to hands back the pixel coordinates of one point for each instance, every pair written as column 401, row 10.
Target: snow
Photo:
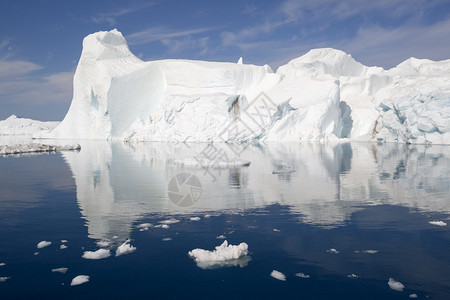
column 43, row 244
column 125, row 248
column 278, row 275
column 223, row 255
column 36, row 148
column 438, row 223
column 99, row 254
column 324, row 95
column 60, row 270
column 395, row 285
column 21, row 126
column 80, row 279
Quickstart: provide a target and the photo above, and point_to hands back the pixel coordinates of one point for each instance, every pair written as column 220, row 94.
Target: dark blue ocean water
column 292, row 204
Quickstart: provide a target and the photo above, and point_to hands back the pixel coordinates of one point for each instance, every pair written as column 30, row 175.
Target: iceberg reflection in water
column 120, row 183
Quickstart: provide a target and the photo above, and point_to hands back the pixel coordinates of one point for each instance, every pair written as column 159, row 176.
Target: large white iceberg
column 22, row 126
column 322, row 95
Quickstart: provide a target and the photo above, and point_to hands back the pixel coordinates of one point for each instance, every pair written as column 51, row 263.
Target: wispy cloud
column 186, row 43
column 110, row 16
column 161, row 33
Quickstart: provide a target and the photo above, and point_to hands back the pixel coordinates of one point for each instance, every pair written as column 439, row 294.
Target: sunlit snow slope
column 322, row 95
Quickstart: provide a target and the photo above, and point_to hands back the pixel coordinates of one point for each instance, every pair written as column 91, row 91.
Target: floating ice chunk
column 35, row 148
column 2, row 264
column 438, row 223
column 115, row 237
column 395, row 285
column 143, row 229
column 165, row 226
column 195, row 219
column 207, row 216
column 370, row 251
column 166, row 239
column 103, row 243
column 276, row 230
column 80, row 279
column 220, row 237
column 332, row 250
column 302, row 275
column 99, row 254
column 64, row 241
column 223, row 255
column 36, row 253
column 352, row 276
column 3, row 279
column 125, row 248
column 170, row 221
column 278, row 275
column 43, row 244
column 60, row 270
column 413, row 296
column 62, row 247
column 145, row 225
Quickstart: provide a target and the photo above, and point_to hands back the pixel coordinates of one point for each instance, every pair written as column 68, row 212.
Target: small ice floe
column 3, row 279
column 207, row 216
column 220, row 237
column 438, row 223
column 35, row 148
column 278, row 275
column 103, row 243
column 165, row 226
column 370, row 251
column 64, row 241
column 99, row 254
column 115, row 237
column 166, row 239
column 352, row 276
column 2, row 264
column 60, row 270
column 223, row 256
column 302, row 275
column 231, row 232
column 62, row 247
column 195, row 219
column 276, row 230
column 125, row 248
column 36, row 253
column 169, row 221
column 80, row 279
column 43, row 244
column 144, row 226
column 413, row 296
column 332, row 250
column 395, row 285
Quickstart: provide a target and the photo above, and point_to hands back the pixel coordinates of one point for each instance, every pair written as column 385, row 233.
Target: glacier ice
column 22, row 126
column 320, row 96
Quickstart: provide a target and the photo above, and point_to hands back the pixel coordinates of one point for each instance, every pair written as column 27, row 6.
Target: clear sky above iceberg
column 40, row 40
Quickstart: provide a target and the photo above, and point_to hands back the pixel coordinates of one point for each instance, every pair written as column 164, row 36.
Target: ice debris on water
column 99, row 254
column 278, row 275
column 80, row 279
column 125, row 248
column 395, row 285
column 43, row 244
column 438, row 223
column 60, row 270
column 222, row 254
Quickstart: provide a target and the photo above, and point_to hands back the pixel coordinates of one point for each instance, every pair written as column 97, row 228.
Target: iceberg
column 22, row 126
column 324, row 95
column 99, row 254
column 223, row 256
column 278, row 275
column 35, row 148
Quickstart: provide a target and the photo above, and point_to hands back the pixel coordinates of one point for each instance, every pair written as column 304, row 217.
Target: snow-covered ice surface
column 80, row 279
column 125, row 248
column 99, row 254
column 223, row 256
column 21, row 126
column 36, row 148
column 43, row 244
column 322, row 95
column 395, row 285
column 278, row 275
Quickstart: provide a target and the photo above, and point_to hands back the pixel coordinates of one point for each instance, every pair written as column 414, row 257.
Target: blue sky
column 40, row 40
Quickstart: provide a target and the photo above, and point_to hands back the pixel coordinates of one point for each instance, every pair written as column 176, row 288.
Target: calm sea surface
column 308, row 209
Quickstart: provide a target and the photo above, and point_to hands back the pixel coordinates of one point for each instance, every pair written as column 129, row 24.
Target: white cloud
column 14, row 68
column 110, row 17
column 162, row 33
column 186, row 43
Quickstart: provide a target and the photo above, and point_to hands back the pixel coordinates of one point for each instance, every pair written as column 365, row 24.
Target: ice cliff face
column 323, row 95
